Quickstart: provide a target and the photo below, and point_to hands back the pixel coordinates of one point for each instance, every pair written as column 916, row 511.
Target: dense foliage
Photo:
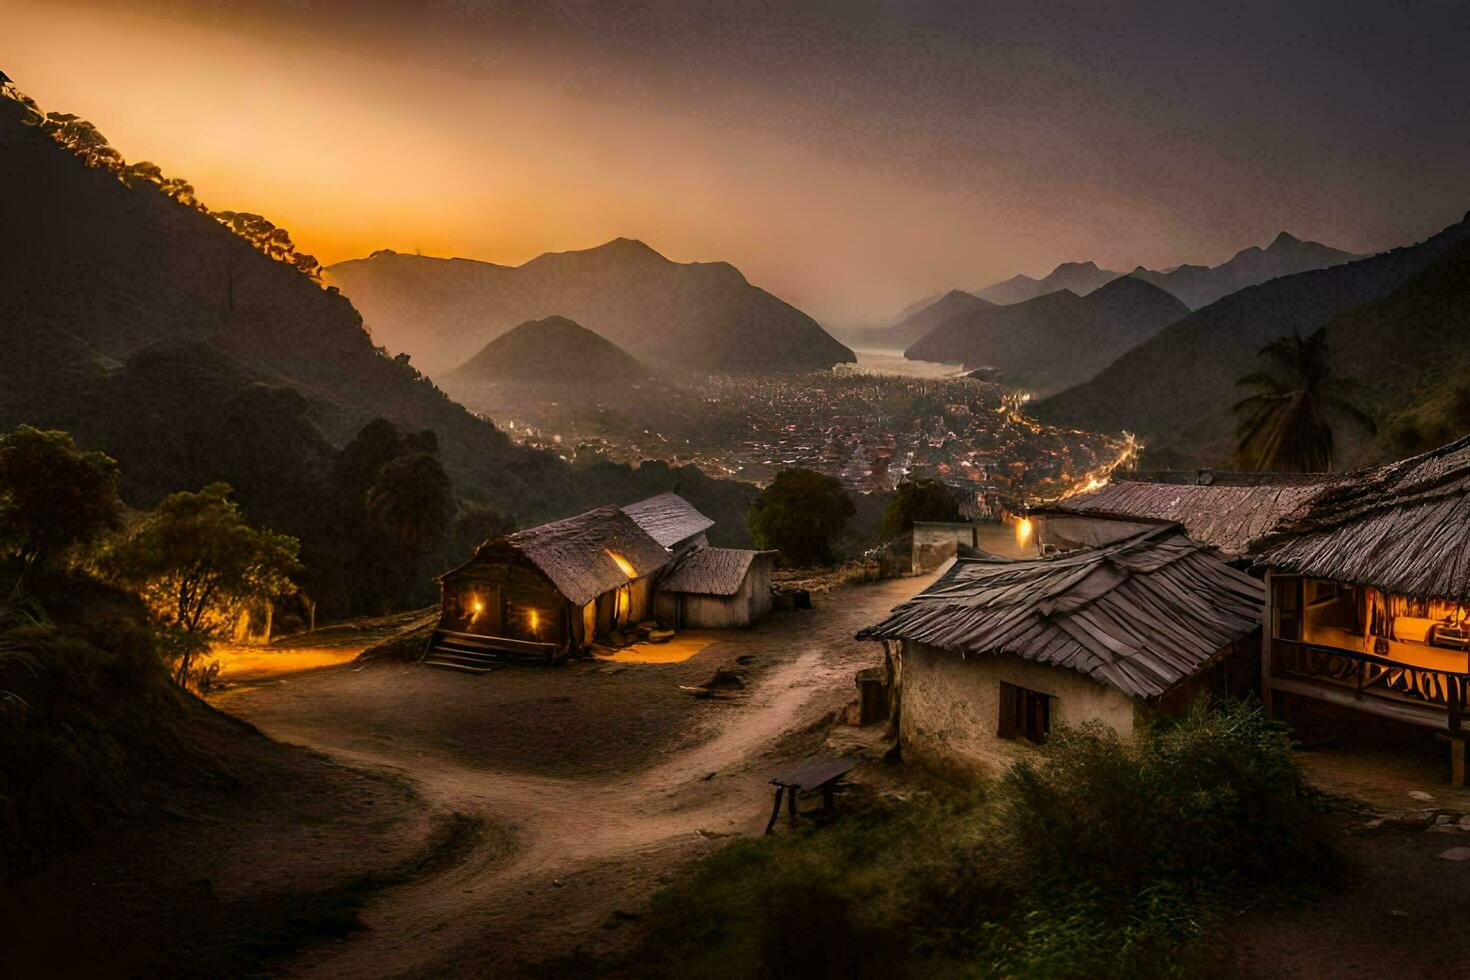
column 918, row 500
column 1103, row 858
column 54, row 497
column 801, row 514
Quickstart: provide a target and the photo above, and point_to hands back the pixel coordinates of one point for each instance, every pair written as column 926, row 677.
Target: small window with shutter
column 1024, row 713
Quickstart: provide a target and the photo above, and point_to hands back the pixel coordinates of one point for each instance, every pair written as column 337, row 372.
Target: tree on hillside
column 801, row 514
column 918, row 500
column 409, row 506
column 196, row 561
column 1287, row 425
column 54, row 497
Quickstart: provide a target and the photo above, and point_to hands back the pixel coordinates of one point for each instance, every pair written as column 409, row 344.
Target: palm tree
column 1287, row 425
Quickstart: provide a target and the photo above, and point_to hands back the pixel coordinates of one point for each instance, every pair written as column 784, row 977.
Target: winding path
column 590, row 844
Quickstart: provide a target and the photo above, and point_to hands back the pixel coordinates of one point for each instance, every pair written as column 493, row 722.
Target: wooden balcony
column 1421, row 695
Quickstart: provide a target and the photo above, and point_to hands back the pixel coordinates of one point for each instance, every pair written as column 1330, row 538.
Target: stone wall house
column 997, row 654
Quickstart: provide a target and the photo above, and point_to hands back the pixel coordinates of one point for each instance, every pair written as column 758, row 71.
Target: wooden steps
column 479, row 654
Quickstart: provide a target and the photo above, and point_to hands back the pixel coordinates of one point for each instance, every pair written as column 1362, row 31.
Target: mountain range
column 553, row 350
column 699, row 315
column 1199, row 285
column 1077, row 277
column 1396, row 322
column 1194, row 285
column 151, row 331
column 1055, row 340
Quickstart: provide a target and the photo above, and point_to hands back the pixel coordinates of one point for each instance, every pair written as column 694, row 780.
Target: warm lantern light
column 476, row 608
column 623, row 563
column 1023, row 531
column 535, row 622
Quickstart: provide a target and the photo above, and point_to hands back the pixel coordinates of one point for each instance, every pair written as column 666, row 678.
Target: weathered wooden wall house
column 1368, row 598
column 550, row 590
column 998, row 652
column 717, row 588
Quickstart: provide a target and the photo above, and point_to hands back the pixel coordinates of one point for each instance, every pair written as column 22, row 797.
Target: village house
column 553, row 591
column 997, row 653
column 1367, row 596
column 548, row 591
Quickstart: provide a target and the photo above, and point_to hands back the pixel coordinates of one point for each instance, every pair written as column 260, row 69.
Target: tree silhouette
column 1287, row 425
column 800, row 514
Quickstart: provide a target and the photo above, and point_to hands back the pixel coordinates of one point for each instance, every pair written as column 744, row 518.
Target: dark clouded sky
column 849, row 156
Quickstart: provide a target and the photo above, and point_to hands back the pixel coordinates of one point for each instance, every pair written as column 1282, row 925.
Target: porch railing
column 1371, row 676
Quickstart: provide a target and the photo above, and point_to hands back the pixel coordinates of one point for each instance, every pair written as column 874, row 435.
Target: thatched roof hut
column 1225, row 510
column 580, row 554
column 547, row 591
column 1140, row 615
column 1402, row 528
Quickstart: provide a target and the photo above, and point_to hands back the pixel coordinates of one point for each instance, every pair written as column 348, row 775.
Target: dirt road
column 607, row 776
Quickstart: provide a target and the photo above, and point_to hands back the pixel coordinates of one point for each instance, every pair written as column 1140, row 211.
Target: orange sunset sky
column 849, row 157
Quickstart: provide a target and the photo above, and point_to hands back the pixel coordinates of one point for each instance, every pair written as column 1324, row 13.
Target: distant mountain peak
column 1283, row 240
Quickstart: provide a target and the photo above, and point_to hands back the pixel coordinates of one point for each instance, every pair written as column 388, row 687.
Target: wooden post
column 775, row 810
column 1267, row 628
column 791, row 803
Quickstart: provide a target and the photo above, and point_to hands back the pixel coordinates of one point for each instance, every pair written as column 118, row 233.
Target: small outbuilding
column 717, row 588
column 551, row 590
column 997, row 653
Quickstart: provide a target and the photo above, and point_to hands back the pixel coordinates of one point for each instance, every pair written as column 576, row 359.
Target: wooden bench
column 822, row 773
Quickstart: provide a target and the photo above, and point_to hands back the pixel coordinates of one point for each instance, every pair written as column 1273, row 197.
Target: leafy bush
column 92, row 715
column 1103, row 858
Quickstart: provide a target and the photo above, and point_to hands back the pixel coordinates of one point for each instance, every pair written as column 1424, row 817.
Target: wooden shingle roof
column 1141, row 615
column 1223, row 513
column 1403, row 528
column 711, row 571
column 668, row 518
column 577, row 553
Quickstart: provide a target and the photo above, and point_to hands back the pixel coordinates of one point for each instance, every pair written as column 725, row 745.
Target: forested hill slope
column 155, row 333
column 699, row 315
column 1176, row 390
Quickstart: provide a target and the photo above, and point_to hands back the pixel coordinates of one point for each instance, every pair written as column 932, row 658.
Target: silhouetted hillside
column 152, row 332
column 916, row 324
column 554, row 350
column 1199, row 285
column 701, row 315
column 1053, row 341
column 1176, row 390
column 1078, row 277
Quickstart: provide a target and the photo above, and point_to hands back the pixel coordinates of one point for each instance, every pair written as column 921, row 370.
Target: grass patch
column 1103, row 858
